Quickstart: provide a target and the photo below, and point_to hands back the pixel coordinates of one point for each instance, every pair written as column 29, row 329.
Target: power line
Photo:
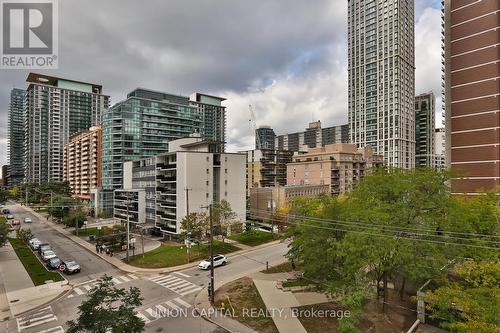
column 378, row 225
column 389, row 236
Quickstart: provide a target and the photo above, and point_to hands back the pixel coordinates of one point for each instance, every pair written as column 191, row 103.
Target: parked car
column 47, row 255
column 54, row 263
column 71, row 267
column 10, row 217
column 34, row 243
column 16, row 222
column 43, row 247
column 219, row 260
column 27, row 220
column 6, row 211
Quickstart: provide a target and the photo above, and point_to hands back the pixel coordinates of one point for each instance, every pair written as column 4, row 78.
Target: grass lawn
column 282, row 268
column 242, row 294
column 174, row 255
column 253, row 237
column 33, row 266
column 296, row 283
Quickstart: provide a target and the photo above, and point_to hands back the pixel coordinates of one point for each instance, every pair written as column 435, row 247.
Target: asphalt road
column 168, row 299
column 92, row 266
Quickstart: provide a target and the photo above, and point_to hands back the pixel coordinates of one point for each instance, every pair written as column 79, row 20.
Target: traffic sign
column 132, row 240
column 62, row 267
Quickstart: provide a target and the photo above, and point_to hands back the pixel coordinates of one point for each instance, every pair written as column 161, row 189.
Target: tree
column 4, row 195
column 73, row 218
column 470, row 300
column 198, row 225
column 24, row 234
column 108, row 310
column 394, row 226
column 224, row 217
column 4, row 231
column 62, row 206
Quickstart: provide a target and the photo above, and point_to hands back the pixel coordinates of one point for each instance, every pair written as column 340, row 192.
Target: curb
column 137, row 270
column 61, row 295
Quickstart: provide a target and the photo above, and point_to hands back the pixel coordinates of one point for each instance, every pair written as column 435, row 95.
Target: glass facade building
column 381, row 78
column 142, row 125
column 56, row 108
column 16, row 136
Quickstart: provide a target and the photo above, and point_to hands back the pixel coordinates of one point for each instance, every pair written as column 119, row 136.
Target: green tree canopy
column 108, row 310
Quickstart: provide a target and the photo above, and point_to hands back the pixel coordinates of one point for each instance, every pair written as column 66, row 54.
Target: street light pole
column 188, row 242
column 212, row 285
column 128, row 228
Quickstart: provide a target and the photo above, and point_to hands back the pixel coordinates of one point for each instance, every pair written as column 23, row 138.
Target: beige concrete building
column 338, row 165
column 264, row 201
column 82, row 162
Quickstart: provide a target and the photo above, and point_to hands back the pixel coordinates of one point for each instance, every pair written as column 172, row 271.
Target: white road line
column 184, row 288
column 70, row 296
column 143, row 317
column 78, row 291
column 116, row 281
column 57, row 329
column 181, row 302
column 172, row 305
column 160, row 309
column 182, row 274
column 189, row 291
column 38, row 322
column 124, row 278
column 178, row 285
column 166, row 279
column 132, row 276
column 150, row 312
column 87, row 287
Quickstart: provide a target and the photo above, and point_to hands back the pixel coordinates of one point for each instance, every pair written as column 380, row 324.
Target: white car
column 10, row 217
column 219, row 260
column 27, row 220
column 34, row 243
column 47, row 255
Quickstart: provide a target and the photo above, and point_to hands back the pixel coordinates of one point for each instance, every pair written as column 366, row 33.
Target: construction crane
column 251, row 121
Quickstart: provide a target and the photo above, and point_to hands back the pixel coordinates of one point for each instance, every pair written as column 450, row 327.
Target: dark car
column 43, row 247
column 71, row 267
column 54, row 263
column 5, row 211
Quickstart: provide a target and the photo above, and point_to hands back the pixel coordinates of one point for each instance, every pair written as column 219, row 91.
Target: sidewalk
column 18, row 294
column 277, row 299
column 119, row 263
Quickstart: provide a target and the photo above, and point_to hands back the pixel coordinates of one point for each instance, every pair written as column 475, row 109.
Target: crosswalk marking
column 84, row 288
column 173, row 306
column 181, row 302
column 182, row 274
column 143, row 317
column 176, row 284
column 57, row 329
column 150, row 312
column 163, row 309
column 39, row 317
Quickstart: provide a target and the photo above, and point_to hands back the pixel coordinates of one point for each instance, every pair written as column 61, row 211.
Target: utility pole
column 142, row 241
column 188, row 239
column 52, row 208
column 212, row 294
column 128, row 229
column 26, row 193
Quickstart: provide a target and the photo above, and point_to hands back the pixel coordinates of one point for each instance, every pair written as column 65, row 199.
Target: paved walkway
column 18, row 294
column 280, row 304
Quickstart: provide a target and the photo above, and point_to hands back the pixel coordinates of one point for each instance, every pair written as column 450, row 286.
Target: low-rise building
column 266, row 167
column 339, row 166
column 265, row 201
column 82, row 162
column 192, row 175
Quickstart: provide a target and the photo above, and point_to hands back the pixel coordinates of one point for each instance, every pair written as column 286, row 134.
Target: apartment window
column 208, row 171
column 225, row 171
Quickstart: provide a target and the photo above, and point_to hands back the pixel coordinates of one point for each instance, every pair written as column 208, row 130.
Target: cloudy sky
column 288, row 58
